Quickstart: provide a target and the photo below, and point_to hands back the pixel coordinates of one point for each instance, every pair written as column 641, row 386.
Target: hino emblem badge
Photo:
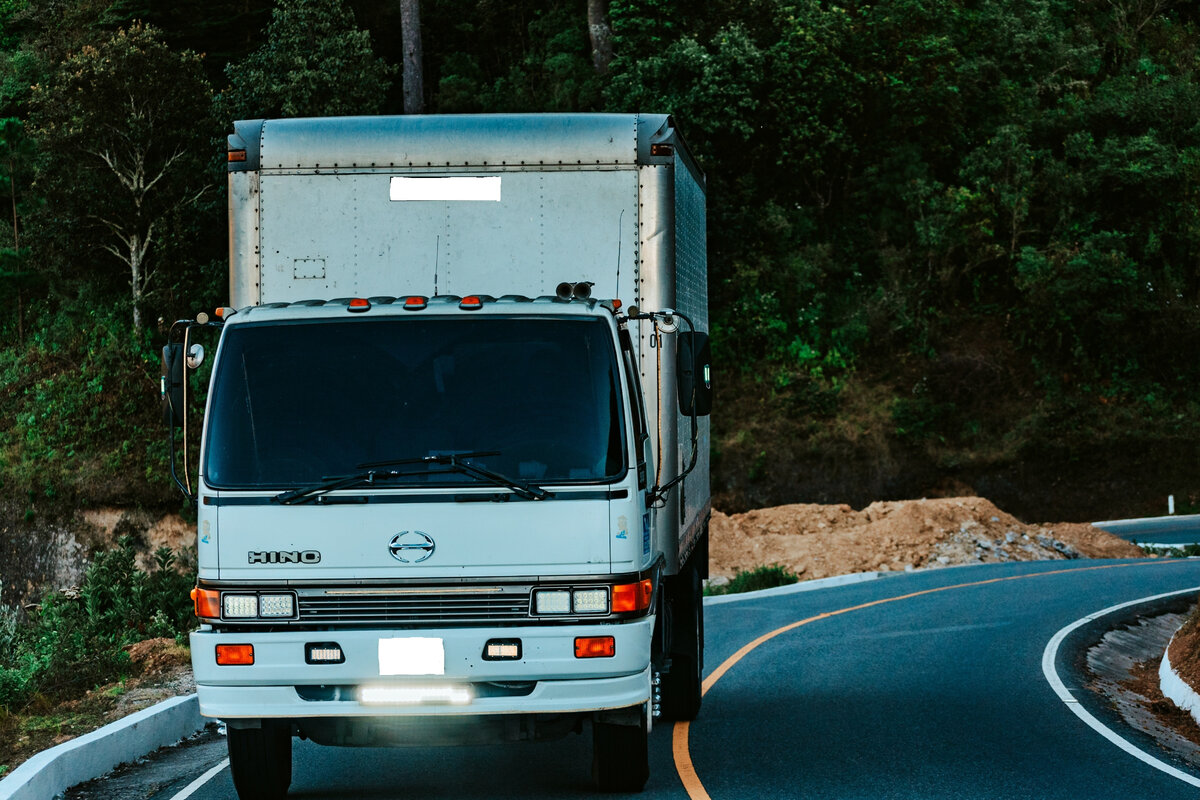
column 411, row 547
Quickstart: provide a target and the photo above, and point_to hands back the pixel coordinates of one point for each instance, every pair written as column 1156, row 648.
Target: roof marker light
column 360, row 304
column 471, row 302
column 236, row 155
column 415, row 303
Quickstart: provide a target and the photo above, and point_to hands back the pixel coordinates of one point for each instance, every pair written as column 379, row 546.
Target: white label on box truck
column 404, row 189
column 417, row 655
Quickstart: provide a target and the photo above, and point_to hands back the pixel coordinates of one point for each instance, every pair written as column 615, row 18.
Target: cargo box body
column 490, row 205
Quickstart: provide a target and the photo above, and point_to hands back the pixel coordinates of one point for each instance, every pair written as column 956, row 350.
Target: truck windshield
column 536, row 399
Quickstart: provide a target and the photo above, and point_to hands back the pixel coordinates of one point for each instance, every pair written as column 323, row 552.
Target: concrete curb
column 793, row 588
column 93, row 754
column 1175, row 689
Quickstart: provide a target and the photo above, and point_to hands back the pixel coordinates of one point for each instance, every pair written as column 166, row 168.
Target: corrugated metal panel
column 691, row 297
column 452, row 140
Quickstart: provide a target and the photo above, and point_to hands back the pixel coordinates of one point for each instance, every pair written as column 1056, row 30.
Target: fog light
column 502, row 650
column 240, row 606
column 276, row 605
column 595, row 647
column 230, row 655
column 415, row 694
column 324, row 653
column 557, row 601
column 591, row 601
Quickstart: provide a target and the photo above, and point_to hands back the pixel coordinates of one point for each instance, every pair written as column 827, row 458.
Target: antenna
column 437, row 251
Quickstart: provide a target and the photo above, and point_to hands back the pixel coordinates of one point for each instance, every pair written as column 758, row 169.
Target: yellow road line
column 679, row 735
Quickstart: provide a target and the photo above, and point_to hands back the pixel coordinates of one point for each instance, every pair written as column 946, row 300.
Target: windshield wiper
column 374, row 471
column 456, row 463
column 332, row 483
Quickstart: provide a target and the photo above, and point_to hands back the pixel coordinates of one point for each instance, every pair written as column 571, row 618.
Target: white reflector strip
column 414, row 695
column 486, row 189
column 417, row 655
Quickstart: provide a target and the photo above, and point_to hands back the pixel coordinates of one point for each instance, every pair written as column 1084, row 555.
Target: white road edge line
column 1050, row 654
column 191, row 788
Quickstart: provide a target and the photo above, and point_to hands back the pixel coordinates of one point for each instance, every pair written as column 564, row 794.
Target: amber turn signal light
column 229, row 655
column 207, row 602
column 632, row 596
column 595, row 647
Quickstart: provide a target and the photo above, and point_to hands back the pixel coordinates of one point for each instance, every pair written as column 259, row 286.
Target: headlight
column 276, row 605
column 552, row 601
column 590, row 601
column 239, row 606
column 280, row 605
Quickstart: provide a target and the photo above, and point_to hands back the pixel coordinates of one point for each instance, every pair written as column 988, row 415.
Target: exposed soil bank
column 40, row 554
column 818, row 541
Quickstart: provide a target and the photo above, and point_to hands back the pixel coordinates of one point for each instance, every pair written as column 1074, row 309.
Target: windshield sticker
column 622, row 526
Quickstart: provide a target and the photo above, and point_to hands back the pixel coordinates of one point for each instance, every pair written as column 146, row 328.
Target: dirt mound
column 818, row 541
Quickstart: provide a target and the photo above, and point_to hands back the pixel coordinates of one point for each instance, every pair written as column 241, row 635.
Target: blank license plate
column 415, row 655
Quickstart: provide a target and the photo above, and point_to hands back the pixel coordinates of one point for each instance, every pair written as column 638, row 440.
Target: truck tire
column 261, row 760
column 620, row 756
column 681, row 685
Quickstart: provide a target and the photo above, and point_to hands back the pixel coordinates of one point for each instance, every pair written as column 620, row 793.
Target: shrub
column 764, row 577
column 74, row 641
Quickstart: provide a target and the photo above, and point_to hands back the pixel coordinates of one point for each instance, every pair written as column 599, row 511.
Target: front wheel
column 261, row 760
column 620, row 755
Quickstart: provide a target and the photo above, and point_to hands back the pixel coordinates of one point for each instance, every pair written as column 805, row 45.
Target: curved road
column 924, row 685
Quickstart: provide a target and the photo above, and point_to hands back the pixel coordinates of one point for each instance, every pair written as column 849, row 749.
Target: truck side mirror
column 171, row 385
column 694, row 371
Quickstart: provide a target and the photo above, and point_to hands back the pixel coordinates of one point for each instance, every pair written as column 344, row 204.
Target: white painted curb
column 1175, row 689
column 1049, row 656
column 793, row 588
column 92, row 755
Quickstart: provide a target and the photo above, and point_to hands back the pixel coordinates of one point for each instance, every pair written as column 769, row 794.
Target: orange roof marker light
column 415, row 303
column 360, row 304
column 236, row 155
column 471, row 302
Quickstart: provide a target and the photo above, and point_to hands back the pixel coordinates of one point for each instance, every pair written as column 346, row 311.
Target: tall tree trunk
column 410, row 36
column 601, row 35
column 12, row 185
column 135, row 278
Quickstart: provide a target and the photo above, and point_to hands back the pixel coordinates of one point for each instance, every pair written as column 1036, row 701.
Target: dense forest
column 954, row 244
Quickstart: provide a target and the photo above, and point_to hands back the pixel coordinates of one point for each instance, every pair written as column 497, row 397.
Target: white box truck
column 453, row 476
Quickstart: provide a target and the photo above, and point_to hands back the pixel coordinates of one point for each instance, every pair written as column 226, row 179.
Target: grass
column 763, row 577
column 1186, row 551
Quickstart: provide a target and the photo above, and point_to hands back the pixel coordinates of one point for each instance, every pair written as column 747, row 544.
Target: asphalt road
column 1170, row 531
column 925, row 685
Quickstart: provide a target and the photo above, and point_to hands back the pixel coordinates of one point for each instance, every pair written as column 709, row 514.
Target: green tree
column 125, row 131
column 315, row 62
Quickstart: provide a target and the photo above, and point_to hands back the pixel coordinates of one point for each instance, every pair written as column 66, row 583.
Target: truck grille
column 415, row 606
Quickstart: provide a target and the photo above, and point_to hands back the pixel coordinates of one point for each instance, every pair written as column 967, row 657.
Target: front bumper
column 548, row 679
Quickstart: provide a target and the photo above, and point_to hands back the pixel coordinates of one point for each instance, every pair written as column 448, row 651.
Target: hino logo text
column 285, row 557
